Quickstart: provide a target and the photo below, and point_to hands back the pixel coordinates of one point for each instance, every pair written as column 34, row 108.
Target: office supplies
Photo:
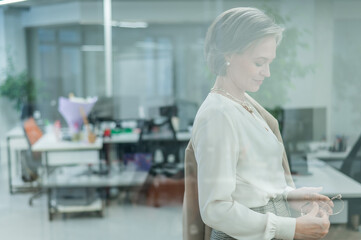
column 69, row 109
column 91, row 136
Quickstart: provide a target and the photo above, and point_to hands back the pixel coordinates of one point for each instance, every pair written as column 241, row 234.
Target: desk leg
column 355, row 221
column 50, row 214
column 9, row 165
column 46, row 164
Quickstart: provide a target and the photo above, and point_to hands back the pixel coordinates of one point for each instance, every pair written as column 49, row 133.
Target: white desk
column 16, row 132
column 333, row 182
column 327, row 155
column 335, row 159
column 65, row 153
column 58, row 152
column 49, row 143
column 66, row 177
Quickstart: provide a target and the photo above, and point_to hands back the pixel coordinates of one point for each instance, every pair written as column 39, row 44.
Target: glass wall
column 157, row 65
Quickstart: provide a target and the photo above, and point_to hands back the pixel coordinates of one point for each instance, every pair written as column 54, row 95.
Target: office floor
column 19, row 221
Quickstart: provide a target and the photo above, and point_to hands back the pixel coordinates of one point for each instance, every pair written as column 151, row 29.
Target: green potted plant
column 20, row 89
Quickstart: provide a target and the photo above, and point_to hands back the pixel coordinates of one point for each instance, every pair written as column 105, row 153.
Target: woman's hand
column 310, row 226
column 301, row 199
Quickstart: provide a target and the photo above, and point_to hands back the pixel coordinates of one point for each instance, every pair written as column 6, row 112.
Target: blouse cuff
column 285, row 227
column 285, row 193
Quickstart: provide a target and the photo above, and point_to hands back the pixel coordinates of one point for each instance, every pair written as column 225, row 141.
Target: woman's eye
column 259, row 64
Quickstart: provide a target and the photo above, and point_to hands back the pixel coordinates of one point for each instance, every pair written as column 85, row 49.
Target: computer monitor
column 303, row 125
column 116, row 108
column 299, row 127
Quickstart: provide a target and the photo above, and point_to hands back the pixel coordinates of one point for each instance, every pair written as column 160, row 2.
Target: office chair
column 352, row 167
column 167, row 178
column 160, row 136
column 352, row 164
column 31, row 161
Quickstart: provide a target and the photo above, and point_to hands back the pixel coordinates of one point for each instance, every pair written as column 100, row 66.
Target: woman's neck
column 227, row 85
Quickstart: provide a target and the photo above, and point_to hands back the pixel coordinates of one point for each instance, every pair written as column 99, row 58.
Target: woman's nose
column 266, row 71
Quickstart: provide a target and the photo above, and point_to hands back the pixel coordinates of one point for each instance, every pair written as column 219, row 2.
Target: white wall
column 323, row 56
column 2, row 44
column 12, row 45
column 304, row 91
column 319, row 89
column 15, row 38
column 344, row 119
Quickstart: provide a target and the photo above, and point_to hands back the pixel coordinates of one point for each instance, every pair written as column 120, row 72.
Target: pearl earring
column 228, row 63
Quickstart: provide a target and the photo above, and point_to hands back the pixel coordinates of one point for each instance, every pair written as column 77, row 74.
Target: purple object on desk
column 70, row 110
column 141, row 161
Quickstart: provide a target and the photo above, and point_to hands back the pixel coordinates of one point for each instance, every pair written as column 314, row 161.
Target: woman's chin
column 254, row 89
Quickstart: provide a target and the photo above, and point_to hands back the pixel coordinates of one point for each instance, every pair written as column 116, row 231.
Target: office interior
column 144, row 64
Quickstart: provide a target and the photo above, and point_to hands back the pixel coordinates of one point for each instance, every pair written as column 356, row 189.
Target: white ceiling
column 30, row 3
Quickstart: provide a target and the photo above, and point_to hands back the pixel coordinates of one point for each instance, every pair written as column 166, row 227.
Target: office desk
column 333, row 182
column 335, row 159
column 61, row 178
column 49, row 143
column 60, row 153
column 131, row 140
column 325, row 154
column 67, row 152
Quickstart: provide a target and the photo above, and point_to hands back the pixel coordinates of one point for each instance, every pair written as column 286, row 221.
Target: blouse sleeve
column 217, row 150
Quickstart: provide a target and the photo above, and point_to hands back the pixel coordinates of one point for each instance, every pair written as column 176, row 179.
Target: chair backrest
column 146, row 132
column 352, row 164
column 31, row 160
column 32, row 131
column 164, row 139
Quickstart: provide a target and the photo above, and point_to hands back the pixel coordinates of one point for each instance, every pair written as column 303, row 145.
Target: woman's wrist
column 285, row 193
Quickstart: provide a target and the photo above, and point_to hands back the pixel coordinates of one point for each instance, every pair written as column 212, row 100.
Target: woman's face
column 248, row 70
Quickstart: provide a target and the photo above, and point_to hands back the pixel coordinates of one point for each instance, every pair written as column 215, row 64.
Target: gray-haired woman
column 244, row 188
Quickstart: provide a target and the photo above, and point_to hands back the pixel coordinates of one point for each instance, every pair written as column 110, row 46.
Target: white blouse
column 239, row 167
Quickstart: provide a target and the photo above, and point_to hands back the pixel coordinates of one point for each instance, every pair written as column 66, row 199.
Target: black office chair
column 352, row 167
column 352, row 164
column 160, row 136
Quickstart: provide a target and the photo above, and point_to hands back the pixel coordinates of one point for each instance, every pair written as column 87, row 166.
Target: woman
column 240, row 176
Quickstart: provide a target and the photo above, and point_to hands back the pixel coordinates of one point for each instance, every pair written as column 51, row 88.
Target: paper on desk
column 70, row 110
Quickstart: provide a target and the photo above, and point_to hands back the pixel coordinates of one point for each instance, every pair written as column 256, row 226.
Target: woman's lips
column 258, row 81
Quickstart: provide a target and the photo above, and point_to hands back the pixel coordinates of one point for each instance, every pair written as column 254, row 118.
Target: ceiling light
column 3, row 2
column 92, row 48
column 130, row 24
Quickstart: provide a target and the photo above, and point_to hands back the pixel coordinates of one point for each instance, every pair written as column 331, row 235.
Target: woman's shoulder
column 216, row 110
column 215, row 115
column 215, row 105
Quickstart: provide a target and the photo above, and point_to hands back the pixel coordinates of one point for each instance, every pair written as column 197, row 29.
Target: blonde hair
column 233, row 32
